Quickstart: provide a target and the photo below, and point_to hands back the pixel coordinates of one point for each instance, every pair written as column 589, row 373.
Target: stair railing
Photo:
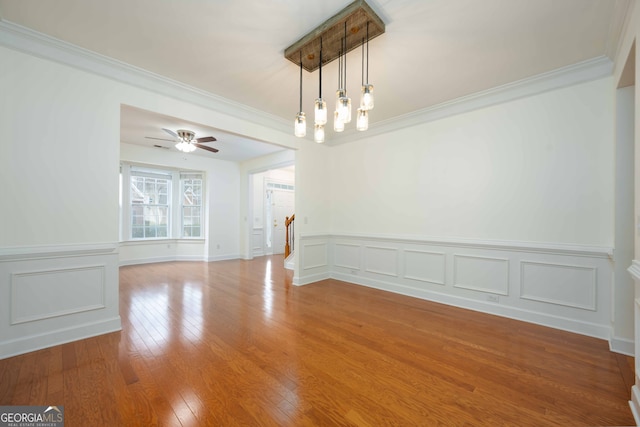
column 289, row 245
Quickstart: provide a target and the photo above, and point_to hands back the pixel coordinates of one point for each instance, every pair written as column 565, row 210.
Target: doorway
column 273, row 200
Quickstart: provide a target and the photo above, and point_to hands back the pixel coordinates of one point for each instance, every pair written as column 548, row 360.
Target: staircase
column 289, row 244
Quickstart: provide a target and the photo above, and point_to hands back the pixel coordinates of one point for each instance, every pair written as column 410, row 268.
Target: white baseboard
column 622, row 345
column 557, row 322
column 312, row 278
column 224, row 257
column 561, row 286
column 58, row 337
column 634, row 404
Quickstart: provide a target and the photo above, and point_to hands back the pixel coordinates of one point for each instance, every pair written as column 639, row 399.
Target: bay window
column 161, row 203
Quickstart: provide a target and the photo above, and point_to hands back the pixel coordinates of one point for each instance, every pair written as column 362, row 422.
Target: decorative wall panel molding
column 55, row 251
column 472, row 274
column 562, row 284
column 315, row 255
column 39, row 295
column 482, row 274
column 347, row 255
column 56, row 294
column 381, row 260
column 425, row 266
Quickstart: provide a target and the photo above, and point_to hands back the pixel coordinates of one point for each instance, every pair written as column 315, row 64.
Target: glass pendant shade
column 338, row 124
column 366, row 101
column 340, row 93
column 345, row 109
column 320, row 112
column 362, row 122
column 318, row 134
column 300, row 125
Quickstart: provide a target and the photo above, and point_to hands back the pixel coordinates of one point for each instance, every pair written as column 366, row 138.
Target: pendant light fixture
column 340, row 34
column 344, row 102
column 366, row 101
column 300, row 126
column 362, row 122
column 320, row 107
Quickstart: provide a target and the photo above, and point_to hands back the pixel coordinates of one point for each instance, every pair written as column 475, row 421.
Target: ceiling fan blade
column 206, row 139
column 170, row 132
column 160, row 139
column 204, row 147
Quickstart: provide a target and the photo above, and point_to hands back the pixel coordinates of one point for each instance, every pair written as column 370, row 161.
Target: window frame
column 174, row 200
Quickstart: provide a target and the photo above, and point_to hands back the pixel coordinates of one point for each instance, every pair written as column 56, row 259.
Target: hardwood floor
column 234, row 343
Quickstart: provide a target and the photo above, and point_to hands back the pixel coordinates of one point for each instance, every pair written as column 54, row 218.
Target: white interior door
column 282, row 205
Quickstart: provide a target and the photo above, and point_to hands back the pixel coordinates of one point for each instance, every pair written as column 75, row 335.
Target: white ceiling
column 433, row 51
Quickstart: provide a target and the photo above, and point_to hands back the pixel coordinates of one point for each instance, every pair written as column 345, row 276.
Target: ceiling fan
column 187, row 142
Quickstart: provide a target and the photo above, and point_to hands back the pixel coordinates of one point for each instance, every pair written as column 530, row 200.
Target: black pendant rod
column 320, row 77
column 367, row 52
column 344, row 68
column 300, row 110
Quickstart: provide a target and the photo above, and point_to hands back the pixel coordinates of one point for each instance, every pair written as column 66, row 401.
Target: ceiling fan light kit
column 330, row 41
column 187, row 142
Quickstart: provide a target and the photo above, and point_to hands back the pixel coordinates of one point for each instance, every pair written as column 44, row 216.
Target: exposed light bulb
column 338, row 124
column 320, row 110
column 362, row 122
column 300, row 125
column 366, row 101
column 318, row 134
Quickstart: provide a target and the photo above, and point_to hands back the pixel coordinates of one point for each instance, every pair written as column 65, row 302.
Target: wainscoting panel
column 381, row 260
column 347, row 255
column 425, row 266
column 315, row 255
column 562, row 286
column 52, row 295
column 573, row 286
column 481, row 274
column 39, row 295
column 257, row 242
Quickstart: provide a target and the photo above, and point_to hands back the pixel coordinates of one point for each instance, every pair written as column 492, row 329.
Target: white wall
column 59, row 175
column 59, row 163
column 507, row 209
column 535, row 169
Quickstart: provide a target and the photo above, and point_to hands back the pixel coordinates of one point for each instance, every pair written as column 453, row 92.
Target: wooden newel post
column 287, row 248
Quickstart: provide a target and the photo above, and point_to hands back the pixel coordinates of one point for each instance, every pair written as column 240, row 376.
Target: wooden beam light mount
column 356, row 15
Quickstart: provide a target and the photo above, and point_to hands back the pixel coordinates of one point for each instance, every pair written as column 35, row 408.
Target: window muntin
column 191, row 205
column 161, row 203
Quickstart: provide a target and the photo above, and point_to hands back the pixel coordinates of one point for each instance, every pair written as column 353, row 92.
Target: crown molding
column 26, row 40
column 580, row 72
column 617, row 27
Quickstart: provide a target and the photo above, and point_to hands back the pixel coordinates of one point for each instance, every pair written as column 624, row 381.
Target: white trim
column 617, row 27
column 634, row 404
column 227, row 257
column 593, row 289
column 61, row 336
column 26, row 40
column 142, row 242
column 622, row 345
column 581, row 72
column 311, row 278
column 556, row 322
column 56, row 251
column 634, row 270
column 536, row 247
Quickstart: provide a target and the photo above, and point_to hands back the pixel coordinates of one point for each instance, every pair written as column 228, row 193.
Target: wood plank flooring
column 233, row 343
